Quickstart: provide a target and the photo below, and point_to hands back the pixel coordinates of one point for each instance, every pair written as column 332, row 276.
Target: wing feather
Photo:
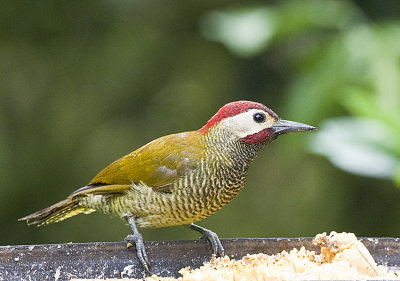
column 157, row 164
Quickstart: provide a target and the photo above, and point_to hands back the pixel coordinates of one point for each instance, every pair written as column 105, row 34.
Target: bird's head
column 252, row 122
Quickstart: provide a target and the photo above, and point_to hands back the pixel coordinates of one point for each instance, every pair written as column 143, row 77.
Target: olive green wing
column 157, row 164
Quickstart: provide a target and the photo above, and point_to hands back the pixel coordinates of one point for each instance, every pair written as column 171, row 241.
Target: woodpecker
column 178, row 179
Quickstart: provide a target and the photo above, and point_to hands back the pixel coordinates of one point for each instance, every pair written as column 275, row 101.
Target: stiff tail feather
column 55, row 213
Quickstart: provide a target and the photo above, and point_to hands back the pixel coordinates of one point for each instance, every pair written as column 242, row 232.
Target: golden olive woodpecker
column 180, row 178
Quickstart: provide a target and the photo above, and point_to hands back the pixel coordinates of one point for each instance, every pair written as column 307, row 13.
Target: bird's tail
column 55, row 213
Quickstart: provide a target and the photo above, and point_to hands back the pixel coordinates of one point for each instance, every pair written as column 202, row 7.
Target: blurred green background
column 86, row 82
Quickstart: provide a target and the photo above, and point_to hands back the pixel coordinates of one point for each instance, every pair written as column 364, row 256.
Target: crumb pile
column 342, row 257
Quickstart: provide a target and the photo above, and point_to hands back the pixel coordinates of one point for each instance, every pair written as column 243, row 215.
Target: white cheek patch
column 243, row 124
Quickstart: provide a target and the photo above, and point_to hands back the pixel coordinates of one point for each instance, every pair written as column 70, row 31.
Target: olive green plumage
column 179, row 178
column 176, row 179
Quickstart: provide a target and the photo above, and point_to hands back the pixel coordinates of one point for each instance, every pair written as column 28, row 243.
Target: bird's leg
column 137, row 239
column 211, row 236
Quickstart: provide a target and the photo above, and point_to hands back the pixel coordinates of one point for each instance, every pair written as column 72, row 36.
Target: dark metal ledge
column 111, row 259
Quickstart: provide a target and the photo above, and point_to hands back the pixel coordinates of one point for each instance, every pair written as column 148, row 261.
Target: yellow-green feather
column 157, row 163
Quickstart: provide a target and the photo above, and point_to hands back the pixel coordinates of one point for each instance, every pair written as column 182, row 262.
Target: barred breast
column 198, row 194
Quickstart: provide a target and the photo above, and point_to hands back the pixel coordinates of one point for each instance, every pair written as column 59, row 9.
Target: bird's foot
column 137, row 240
column 218, row 249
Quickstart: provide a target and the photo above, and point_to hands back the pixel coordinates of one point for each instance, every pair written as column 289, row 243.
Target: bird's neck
column 231, row 150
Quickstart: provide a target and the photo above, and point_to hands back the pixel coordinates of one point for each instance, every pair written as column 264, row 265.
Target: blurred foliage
column 85, row 82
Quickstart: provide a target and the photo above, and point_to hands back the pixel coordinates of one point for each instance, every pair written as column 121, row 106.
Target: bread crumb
column 342, row 257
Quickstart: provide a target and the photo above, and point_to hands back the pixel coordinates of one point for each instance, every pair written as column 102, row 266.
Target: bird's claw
column 216, row 245
column 137, row 239
column 218, row 249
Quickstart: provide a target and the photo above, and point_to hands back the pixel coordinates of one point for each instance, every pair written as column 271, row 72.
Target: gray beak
column 284, row 126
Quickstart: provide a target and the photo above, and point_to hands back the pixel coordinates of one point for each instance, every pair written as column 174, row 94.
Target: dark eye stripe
column 259, row 117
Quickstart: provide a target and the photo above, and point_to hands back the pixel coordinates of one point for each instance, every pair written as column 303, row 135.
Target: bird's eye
column 259, row 117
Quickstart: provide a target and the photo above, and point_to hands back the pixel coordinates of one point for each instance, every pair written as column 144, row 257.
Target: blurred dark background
column 83, row 83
